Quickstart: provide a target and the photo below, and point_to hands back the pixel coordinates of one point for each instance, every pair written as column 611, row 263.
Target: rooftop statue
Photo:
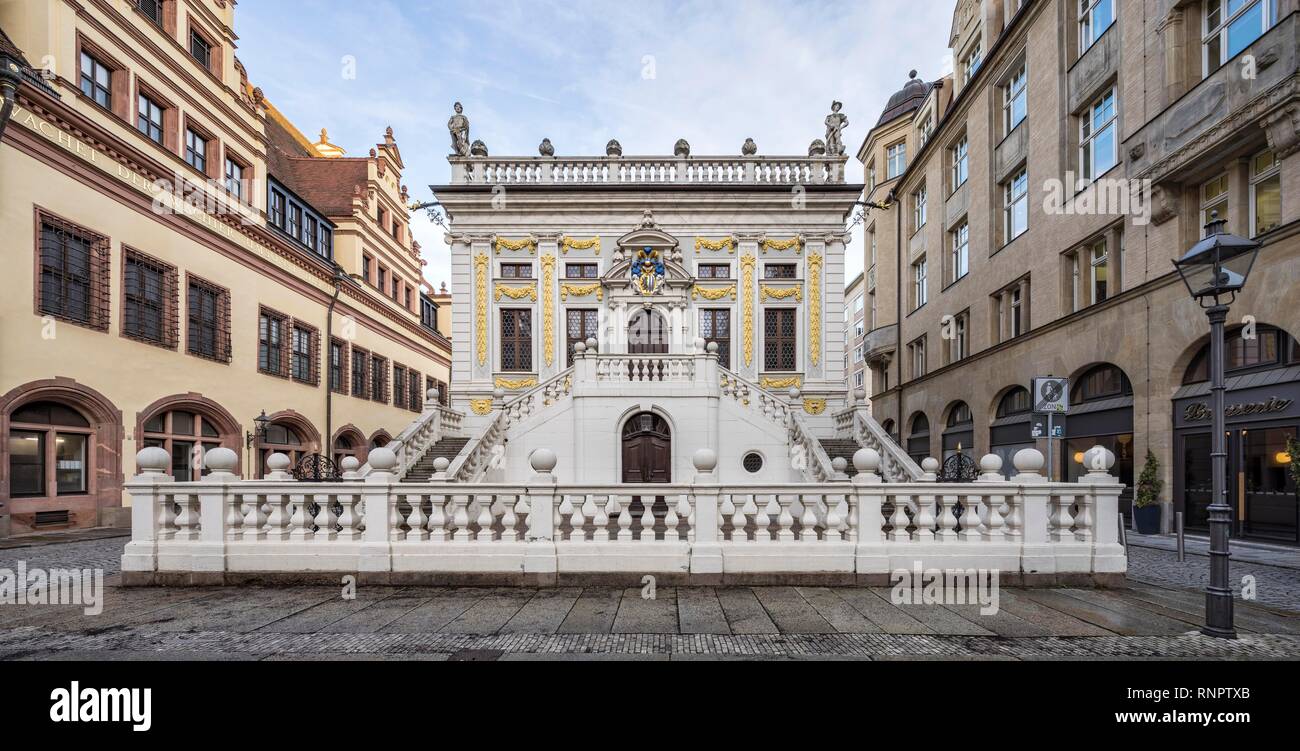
column 836, row 122
column 613, row 148
column 546, row 149
column 750, row 148
column 458, row 125
column 682, row 149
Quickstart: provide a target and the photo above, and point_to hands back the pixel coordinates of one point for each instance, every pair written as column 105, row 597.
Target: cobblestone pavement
column 1153, row 618
column 1274, row 586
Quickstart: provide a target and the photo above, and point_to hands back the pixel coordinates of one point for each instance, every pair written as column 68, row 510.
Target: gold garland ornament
column 581, row 290
column 500, row 244
column 548, row 308
column 747, row 308
column 713, row 294
column 516, row 293
column 777, row 293
column 795, row 242
column 706, row 244
column 569, row 243
column 768, row 382
column 481, row 262
column 814, row 406
column 480, row 406
column 509, row 385
column 815, row 307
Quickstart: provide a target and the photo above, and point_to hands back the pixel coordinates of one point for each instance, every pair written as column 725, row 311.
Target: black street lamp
column 1214, row 269
column 259, row 431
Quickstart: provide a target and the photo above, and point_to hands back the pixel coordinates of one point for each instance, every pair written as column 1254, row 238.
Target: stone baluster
column 970, row 519
column 727, row 510
column 277, row 522
column 647, row 519
column 924, row 520
column 509, row 519
column 460, row 518
column 485, row 518
column 255, row 518
column 564, row 511
column 416, row 521
column 577, row 517
column 600, row 518
column 349, row 520
column 300, row 519
column 1061, row 522
column 785, row 522
column 325, row 518
column 187, row 520
column 808, row 519
column 437, row 522
column 947, row 520
column 685, row 511
column 671, row 519
column 898, row 521
column 739, row 520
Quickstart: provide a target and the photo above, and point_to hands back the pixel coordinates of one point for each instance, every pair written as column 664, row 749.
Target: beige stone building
column 1078, row 147
column 181, row 260
column 855, row 327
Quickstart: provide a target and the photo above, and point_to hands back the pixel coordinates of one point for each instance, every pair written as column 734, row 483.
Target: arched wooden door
column 647, row 333
column 647, row 449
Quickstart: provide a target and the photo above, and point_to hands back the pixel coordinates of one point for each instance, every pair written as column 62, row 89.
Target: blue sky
column 581, row 72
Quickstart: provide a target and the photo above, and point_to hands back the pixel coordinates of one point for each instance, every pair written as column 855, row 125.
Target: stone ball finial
column 478, row 148
column 220, row 459
column 431, row 394
column 579, row 347
column 930, row 464
column 499, row 393
column 712, row 348
column 278, row 462
column 839, row 464
column 350, row 464
column 591, row 343
column 1098, row 459
column 1028, row 460
column 546, row 149
column 543, row 460
column 794, row 392
column 705, row 460
column 990, row 463
column 749, row 148
column 861, row 394
column 153, row 459
column 441, row 464
column 817, row 148
column 382, row 459
column 911, row 74
column 699, row 343
column 613, row 148
column 682, row 148
column 866, row 460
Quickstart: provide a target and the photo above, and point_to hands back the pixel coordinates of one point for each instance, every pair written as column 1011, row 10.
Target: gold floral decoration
column 569, row 243
column 706, row 244
column 548, row 308
column 480, row 304
column 778, row 293
column 795, row 242
column 480, row 406
column 747, row 308
column 515, row 385
column 815, row 307
column 768, row 382
column 713, row 294
column 516, row 293
column 529, row 243
column 814, row 406
column 581, row 290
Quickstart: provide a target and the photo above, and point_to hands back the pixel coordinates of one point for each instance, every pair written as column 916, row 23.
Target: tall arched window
column 349, row 443
column 1012, row 428
column 49, row 450
column 1270, row 347
column 186, row 436
column 959, row 432
column 918, row 440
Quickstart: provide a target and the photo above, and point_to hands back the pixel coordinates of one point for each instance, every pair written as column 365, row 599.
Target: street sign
column 1039, row 428
column 1051, row 395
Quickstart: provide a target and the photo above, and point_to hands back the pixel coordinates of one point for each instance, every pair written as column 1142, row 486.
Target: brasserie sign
column 1199, row 411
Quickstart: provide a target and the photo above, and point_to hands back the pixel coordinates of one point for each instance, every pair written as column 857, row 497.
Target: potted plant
column 1293, row 456
column 1146, row 500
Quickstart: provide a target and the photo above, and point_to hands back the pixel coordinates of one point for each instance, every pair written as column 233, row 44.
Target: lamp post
column 1214, row 270
column 259, row 432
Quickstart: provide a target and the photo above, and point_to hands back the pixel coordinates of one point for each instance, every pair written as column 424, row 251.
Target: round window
column 753, row 462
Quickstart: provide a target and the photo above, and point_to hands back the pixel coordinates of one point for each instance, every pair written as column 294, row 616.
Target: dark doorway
column 647, row 449
column 647, row 333
column 1259, row 488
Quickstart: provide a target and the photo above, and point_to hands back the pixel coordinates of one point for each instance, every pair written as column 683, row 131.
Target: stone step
column 841, row 448
column 447, row 448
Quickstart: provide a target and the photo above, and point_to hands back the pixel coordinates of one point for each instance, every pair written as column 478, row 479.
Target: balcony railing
column 665, row 170
column 221, row 529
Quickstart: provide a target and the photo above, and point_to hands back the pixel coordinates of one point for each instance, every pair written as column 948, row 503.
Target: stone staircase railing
column 224, row 530
column 434, row 423
column 806, row 451
column 895, row 464
column 476, row 457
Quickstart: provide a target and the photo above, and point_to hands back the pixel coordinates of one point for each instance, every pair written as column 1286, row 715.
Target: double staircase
column 841, row 448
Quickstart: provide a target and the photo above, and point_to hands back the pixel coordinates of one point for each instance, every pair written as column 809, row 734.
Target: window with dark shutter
column 208, row 329
column 74, row 274
column 378, row 379
column 516, row 340
column 399, row 386
column 148, row 300
column 338, row 366
column 270, row 343
column 778, row 339
column 360, row 369
column 303, row 358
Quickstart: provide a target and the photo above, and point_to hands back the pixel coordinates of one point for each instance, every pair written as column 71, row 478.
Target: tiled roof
column 10, row 50
column 327, row 184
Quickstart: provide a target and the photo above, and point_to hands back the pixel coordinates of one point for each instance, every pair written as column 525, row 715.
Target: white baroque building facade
column 649, row 257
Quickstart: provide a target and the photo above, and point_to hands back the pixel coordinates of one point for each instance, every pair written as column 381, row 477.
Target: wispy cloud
column 581, row 72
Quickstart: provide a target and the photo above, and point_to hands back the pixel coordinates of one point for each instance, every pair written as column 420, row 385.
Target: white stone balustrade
column 221, row 529
column 616, row 170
